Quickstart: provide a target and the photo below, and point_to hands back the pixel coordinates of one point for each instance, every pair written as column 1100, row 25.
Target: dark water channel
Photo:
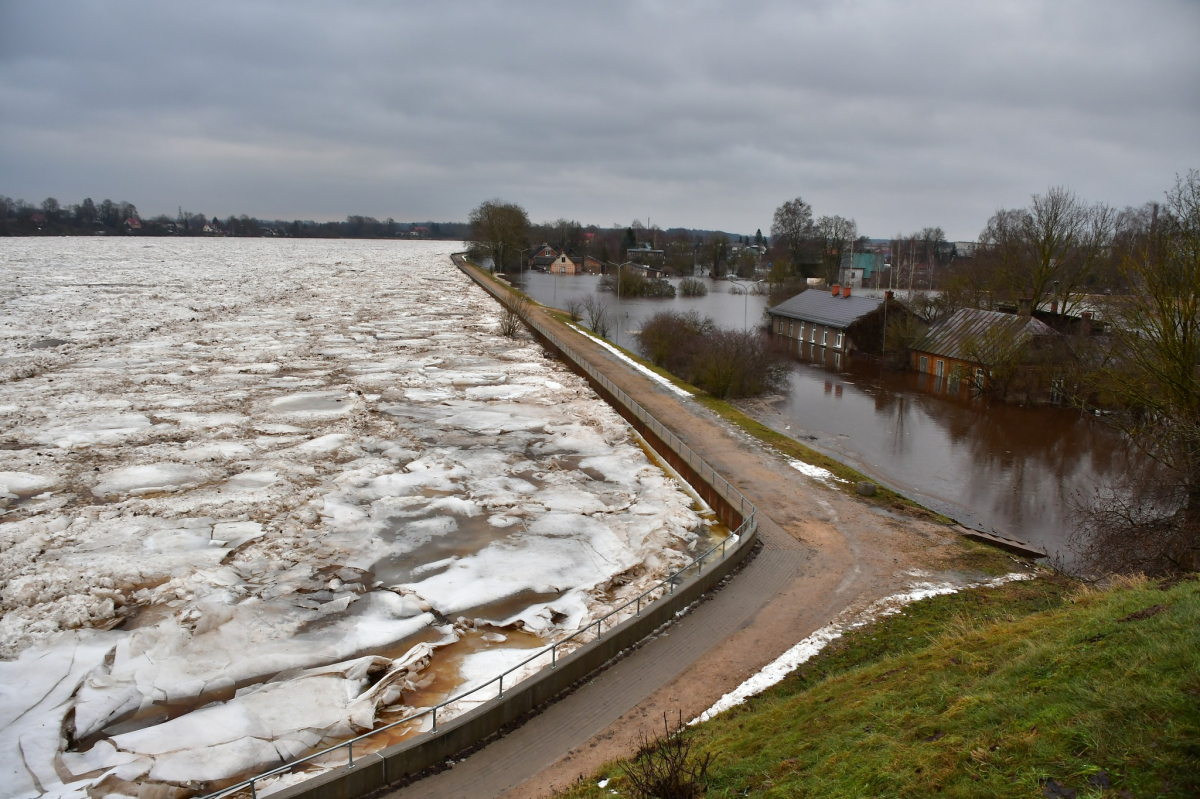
column 1017, row 471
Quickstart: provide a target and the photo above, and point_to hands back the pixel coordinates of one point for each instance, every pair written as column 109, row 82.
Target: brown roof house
column 989, row 348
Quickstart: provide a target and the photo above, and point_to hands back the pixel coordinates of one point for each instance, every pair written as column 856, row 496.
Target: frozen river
column 258, row 496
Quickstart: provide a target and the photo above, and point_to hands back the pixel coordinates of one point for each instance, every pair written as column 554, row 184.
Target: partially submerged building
column 970, row 343
column 820, row 318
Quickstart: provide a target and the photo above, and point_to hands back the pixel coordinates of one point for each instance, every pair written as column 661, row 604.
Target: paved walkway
column 823, row 551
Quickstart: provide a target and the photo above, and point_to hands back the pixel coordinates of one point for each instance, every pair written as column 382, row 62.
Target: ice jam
column 266, row 495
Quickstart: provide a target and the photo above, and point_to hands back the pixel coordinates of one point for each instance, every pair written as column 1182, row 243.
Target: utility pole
column 619, row 300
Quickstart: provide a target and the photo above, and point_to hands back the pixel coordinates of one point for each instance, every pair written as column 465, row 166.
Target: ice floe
column 265, row 486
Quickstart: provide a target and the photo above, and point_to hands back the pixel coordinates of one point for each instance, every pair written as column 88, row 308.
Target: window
column 979, row 378
column 838, row 342
column 824, row 336
column 812, row 334
column 941, row 369
column 790, row 333
column 924, row 364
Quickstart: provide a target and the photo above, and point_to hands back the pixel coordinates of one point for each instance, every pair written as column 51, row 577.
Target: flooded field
column 261, row 496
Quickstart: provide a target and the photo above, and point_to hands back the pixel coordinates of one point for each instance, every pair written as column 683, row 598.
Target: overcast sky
column 701, row 114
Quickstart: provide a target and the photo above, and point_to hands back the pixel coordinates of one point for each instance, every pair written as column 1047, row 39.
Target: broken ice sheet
column 247, row 453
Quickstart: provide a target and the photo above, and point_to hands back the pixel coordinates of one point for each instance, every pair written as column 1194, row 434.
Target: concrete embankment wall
column 374, row 772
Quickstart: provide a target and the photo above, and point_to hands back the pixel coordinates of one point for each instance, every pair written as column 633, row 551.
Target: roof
column 821, row 307
column 950, row 337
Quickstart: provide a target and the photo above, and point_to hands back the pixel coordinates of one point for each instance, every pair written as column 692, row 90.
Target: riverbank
column 825, row 552
column 1044, row 687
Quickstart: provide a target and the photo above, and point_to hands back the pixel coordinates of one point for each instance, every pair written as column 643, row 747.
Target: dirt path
column 823, row 552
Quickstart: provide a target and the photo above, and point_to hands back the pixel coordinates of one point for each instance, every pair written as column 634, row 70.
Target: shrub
column 665, row 766
column 511, row 318
column 725, row 363
column 668, row 338
column 692, row 287
column 634, row 284
column 596, row 311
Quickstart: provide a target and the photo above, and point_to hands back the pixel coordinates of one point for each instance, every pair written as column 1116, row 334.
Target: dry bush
column 596, row 311
column 692, row 287
column 512, row 318
column 574, row 309
column 669, row 338
column 733, row 363
column 725, row 363
column 1142, row 527
column 665, row 767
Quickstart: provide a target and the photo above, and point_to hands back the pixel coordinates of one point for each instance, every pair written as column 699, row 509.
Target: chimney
column 1086, row 316
column 1054, row 306
column 845, row 291
column 1025, row 307
column 889, row 295
column 836, row 289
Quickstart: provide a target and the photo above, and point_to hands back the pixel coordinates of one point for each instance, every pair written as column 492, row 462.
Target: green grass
column 980, row 694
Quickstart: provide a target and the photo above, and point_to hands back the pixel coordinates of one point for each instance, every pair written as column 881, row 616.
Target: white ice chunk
column 25, row 484
column 148, row 478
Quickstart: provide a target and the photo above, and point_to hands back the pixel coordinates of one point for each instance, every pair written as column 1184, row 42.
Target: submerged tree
column 1151, row 376
column 497, row 228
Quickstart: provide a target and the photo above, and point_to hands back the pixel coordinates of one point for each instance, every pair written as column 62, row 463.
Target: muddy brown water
column 1016, row 471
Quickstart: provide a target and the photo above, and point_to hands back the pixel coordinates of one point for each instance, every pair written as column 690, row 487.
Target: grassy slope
column 980, row 694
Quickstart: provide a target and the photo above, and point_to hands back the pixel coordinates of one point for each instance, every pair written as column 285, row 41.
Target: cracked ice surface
column 265, row 484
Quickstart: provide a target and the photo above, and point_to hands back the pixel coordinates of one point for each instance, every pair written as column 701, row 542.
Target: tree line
column 88, row 218
column 502, row 232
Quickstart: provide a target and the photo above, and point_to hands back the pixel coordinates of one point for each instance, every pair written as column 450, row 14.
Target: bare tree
column 836, row 235
column 498, row 227
column 792, row 225
column 596, row 311
column 574, row 309
column 1050, row 250
column 665, row 767
column 1152, row 378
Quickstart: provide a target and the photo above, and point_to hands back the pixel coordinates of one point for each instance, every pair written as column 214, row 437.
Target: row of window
column 794, row 327
column 955, row 373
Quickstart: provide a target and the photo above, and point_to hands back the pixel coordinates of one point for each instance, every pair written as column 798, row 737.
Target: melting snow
column 650, row 373
column 801, row 653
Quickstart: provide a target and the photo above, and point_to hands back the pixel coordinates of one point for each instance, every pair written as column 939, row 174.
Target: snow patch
column 775, row 671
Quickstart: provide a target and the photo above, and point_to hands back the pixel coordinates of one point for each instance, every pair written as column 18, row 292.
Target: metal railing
column 639, row 603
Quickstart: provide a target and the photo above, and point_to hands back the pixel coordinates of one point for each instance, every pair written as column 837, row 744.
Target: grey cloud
column 703, row 114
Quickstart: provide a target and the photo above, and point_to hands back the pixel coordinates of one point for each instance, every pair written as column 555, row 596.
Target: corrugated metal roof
column 951, row 336
column 823, row 308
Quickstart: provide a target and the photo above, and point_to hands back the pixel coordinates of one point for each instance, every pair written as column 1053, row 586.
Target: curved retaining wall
column 374, row 772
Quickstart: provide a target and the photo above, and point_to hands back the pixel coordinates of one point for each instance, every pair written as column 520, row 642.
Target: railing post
column 434, row 727
column 554, row 655
column 639, row 605
column 253, row 793
column 350, row 753
column 501, row 686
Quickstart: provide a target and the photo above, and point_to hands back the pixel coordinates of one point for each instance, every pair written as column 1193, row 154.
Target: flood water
column 724, row 304
column 1017, row 471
